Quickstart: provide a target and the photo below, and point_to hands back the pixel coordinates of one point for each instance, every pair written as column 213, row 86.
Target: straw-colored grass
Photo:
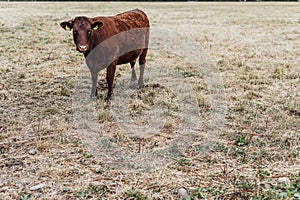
column 255, row 49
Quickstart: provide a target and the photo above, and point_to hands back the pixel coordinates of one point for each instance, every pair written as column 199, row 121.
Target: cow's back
column 113, row 25
column 132, row 19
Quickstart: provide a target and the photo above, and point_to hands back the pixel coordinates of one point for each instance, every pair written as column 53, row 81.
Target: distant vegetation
column 169, row 0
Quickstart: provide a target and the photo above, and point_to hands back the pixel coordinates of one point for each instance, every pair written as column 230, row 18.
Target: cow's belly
column 129, row 57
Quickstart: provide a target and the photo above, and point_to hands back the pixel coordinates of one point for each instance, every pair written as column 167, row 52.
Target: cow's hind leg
column 142, row 62
column 133, row 74
column 110, row 75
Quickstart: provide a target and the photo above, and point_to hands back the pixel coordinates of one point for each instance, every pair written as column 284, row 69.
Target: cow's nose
column 82, row 48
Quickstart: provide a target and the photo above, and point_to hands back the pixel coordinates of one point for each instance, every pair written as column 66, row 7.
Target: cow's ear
column 96, row 25
column 67, row 25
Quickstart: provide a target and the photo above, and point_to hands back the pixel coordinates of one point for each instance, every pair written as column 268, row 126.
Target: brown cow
column 110, row 41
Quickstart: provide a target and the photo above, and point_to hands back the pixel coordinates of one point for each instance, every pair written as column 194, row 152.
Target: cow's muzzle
column 82, row 48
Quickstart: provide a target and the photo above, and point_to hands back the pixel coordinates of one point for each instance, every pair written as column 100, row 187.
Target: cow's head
column 83, row 28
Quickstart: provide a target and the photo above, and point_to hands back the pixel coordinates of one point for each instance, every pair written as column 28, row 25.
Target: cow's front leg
column 141, row 78
column 142, row 62
column 110, row 75
column 94, row 92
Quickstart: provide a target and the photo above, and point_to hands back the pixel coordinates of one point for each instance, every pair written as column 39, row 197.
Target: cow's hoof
column 93, row 98
column 108, row 99
column 141, row 86
column 132, row 85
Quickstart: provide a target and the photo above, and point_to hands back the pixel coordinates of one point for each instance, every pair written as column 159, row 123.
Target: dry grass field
column 253, row 152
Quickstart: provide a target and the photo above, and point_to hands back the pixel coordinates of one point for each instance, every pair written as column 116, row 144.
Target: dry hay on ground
column 256, row 50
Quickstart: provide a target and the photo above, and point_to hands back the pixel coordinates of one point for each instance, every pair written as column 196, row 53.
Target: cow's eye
column 89, row 32
column 75, row 32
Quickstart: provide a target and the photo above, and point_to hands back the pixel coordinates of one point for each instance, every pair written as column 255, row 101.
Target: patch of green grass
column 76, row 142
column 25, row 196
column 183, row 161
column 240, row 140
column 65, row 92
column 66, row 190
column 87, row 155
column 291, row 190
column 22, row 76
column 188, row 74
column 93, row 191
column 96, row 189
column 134, row 195
column 99, row 171
column 207, row 192
column 198, row 193
column 51, row 110
column 80, row 194
column 219, row 147
column 104, row 116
